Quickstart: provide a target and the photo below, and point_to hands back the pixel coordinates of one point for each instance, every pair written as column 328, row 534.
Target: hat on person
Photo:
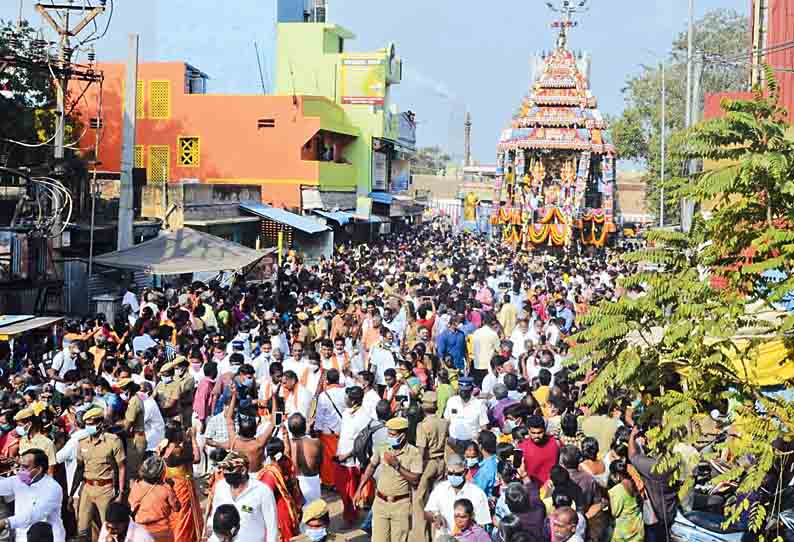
column 316, row 309
column 93, row 413
column 234, row 461
column 429, row 398
column 302, row 316
column 123, row 383
column 179, row 360
column 24, row 414
column 238, row 345
column 397, row 424
column 466, row 382
column 315, row 510
column 166, row 367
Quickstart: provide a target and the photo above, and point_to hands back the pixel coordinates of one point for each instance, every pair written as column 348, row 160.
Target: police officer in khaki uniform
column 431, row 439
column 133, row 424
column 166, row 393
column 29, row 426
column 316, row 522
column 186, row 387
column 100, row 459
column 401, row 470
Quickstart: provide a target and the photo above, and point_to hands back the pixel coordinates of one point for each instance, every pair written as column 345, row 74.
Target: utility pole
column 664, row 147
column 65, row 32
column 128, row 148
column 689, row 64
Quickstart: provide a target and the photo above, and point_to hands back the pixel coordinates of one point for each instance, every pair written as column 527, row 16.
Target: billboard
column 364, row 79
column 400, row 175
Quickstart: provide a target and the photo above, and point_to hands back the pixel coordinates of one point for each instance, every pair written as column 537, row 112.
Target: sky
column 458, row 55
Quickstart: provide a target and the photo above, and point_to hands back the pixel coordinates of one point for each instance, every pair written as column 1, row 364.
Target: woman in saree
column 280, row 475
column 180, row 453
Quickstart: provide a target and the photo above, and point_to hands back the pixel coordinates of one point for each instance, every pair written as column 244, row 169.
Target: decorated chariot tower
column 556, row 162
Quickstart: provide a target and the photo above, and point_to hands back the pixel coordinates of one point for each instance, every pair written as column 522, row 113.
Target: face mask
column 235, row 368
column 218, row 356
column 91, row 430
column 234, row 479
column 456, row 480
column 395, row 442
column 509, row 426
column 25, row 477
column 125, row 396
column 168, row 379
column 248, row 382
column 5, row 428
column 196, row 366
column 143, row 396
column 472, row 462
column 316, row 534
column 21, row 431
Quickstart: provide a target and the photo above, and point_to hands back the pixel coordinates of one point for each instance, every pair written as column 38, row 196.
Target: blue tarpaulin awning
column 299, row 222
column 381, row 197
column 341, row 217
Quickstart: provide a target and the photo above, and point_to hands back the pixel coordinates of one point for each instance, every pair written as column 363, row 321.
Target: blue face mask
column 315, row 534
column 248, row 382
column 456, row 480
column 395, row 442
column 91, row 430
column 472, row 462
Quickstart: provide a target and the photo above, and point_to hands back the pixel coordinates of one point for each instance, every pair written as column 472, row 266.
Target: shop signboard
column 400, row 175
column 407, row 130
column 364, row 79
column 379, row 171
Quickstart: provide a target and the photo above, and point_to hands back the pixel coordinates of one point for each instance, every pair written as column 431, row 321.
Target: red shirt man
column 541, row 451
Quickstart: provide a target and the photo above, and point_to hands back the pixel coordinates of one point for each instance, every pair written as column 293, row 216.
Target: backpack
column 362, row 446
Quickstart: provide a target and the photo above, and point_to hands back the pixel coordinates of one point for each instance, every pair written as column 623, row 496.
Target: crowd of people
column 420, row 380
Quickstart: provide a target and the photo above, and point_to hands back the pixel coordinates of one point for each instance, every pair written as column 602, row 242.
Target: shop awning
column 182, row 251
column 22, row 324
column 341, row 217
column 302, row 223
column 381, row 197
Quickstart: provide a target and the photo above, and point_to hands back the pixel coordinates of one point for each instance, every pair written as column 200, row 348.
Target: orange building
column 295, row 147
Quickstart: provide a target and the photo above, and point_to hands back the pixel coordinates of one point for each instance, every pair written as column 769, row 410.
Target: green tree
column 676, row 343
column 719, row 36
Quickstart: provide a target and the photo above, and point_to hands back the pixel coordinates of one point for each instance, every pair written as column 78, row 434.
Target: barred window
column 140, row 100
column 139, row 156
column 159, row 100
column 159, row 158
column 189, row 151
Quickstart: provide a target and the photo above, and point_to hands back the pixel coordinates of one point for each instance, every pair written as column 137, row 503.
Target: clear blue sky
column 457, row 54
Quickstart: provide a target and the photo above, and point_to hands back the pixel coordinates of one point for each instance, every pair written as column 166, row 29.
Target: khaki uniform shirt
column 187, row 385
column 164, row 393
column 431, row 434
column 390, row 482
column 134, row 414
column 39, row 442
column 100, row 456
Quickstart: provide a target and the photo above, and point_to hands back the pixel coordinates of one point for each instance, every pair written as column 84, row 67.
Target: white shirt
column 381, row 359
column 261, row 365
column 442, row 501
column 198, row 376
column 485, row 343
column 131, row 300
column 68, row 456
column 519, row 340
column 352, row 425
column 257, row 508
column 63, row 362
column 468, row 419
column 330, row 404
column 38, row 502
column 490, row 381
column 153, row 424
column 142, row 343
column 301, row 368
column 371, row 399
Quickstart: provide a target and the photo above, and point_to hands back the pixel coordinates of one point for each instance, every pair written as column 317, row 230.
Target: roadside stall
column 25, row 338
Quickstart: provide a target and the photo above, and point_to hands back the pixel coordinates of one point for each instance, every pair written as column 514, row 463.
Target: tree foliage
column 676, row 343
column 719, row 36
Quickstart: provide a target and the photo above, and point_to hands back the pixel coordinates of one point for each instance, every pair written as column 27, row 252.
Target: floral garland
column 595, row 215
column 599, row 241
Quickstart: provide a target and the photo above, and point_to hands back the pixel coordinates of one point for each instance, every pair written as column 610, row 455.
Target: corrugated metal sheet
column 302, row 223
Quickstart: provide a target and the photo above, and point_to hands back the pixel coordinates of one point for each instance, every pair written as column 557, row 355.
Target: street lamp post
column 664, row 147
